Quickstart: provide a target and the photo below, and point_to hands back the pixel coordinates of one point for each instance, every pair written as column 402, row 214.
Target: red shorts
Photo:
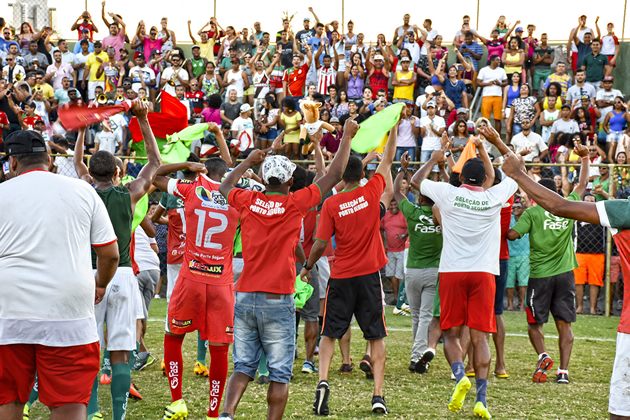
column 201, row 307
column 574, row 57
column 65, row 374
column 467, row 299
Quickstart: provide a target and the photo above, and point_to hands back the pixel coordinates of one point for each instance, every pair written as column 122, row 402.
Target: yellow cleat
column 459, row 394
column 481, row 411
column 200, row 370
column 176, row 411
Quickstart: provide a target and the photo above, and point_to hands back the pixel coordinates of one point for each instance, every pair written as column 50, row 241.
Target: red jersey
column 295, row 78
column 393, row 225
column 4, row 121
column 378, row 80
column 196, row 99
column 210, row 225
column 30, row 121
column 353, row 217
column 506, row 217
column 176, row 241
column 90, row 29
column 270, row 229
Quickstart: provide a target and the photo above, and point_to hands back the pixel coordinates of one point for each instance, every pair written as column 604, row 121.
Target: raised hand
column 404, row 160
column 351, row 126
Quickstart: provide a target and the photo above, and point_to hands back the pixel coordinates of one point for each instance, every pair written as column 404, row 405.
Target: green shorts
column 540, row 76
column 436, row 299
column 518, row 267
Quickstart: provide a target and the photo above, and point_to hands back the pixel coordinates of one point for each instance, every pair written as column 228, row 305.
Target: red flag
column 74, row 117
column 172, row 118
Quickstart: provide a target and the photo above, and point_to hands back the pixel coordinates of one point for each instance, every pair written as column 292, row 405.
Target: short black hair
column 354, row 170
column 319, row 25
column 299, row 179
column 28, row 159
column 549, row 183
column 103, row 165
column 214, row 101
column 187, row 172
column 289, row 103
column 216, row 166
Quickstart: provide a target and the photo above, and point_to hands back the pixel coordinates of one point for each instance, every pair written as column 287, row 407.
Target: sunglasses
column 9, row 59
column 153, row 33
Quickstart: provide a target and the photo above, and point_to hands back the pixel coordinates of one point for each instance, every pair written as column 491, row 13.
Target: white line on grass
column 611, row 340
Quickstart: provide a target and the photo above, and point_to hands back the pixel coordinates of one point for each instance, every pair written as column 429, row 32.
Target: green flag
column 370, row 135
column 142, row 206
column 138, row 147
column 177, row 149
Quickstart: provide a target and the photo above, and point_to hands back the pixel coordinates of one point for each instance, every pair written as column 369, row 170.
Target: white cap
column 431, row 103
column 429, row 89
column 279, row 167
column 245, row 108
column 378, row 57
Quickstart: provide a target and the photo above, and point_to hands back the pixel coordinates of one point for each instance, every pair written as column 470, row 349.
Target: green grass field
column 409, row 396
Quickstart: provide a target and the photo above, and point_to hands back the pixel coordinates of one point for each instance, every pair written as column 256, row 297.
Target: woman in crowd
column 554, row 89
column 459, row 139
column 212, row 113
column 511, row 92
column 268, row 120
column 523, row 107
column 290, row 121
column 621, row 176
column 339, row 48
column 440, row 50
column 355, row 81
column 342, row 105
column 171, row 42
column 332, row 98
column 26, row 35
column 311, row 90
column 210, row 84
column 583, row 119
column 616, row 121
column 248, row 94
column 495, row 45
column 513, row 58
column 481, row 123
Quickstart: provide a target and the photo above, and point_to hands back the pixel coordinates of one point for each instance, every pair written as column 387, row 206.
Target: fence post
column 607, row 275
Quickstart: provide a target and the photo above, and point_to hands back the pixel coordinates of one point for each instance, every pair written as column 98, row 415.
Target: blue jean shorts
column 264, row 322
column 425, row 155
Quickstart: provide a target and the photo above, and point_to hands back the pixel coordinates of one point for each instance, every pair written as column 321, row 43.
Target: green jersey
column 198, row 66
column 425, row 239
column 118, row 203
column 551, row 249
column 605, row 185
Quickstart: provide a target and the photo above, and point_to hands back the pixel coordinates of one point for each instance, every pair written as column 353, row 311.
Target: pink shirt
column 150, row 45
column 394, row 224
column 118, row 42
column 211, row 115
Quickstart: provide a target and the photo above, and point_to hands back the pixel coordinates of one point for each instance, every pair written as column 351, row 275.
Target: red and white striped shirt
column 325, row 78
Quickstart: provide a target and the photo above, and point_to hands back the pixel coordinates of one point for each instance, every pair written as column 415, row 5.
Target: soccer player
column 118, row 308
column 551, row 286
column 353, row 216
column 203, row 298
column 470, row 224
column 613, row 214
column 264, row 312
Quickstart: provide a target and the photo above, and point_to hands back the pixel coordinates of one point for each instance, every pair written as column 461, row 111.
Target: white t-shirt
column 608, row 45
column 137, row 73
column 46, row 273
column 532, row 141
column 419, row 102
column 107, row 141
column 245, row 132
column 576, row 92
column 118, row 123
column 486, row 75
column 431, row 141
column 470, row 224
column 144, row 256
column 405, row 132
column 169, row 74
column 548, row 116
column 65, row 165
column 80, row 59
column 602, row 95
column 562, row 126
column 414, row 50
column 430, row 37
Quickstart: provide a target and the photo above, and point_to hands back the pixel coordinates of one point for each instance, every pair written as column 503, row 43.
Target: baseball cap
column 98, row 44
column 195, row 46
column 334, row 119
column 519, row 29
column 608, row 79
column 585, row 97
column 565, row 106
column 431, row 103
column 461, row 110
column 245, row 108
column 279, row 167
column 474, row 171
column 307, row 18
column 378, row 57
column 85, row 31
column 23, row 142
column 429, row 89
column 404, row 59
column 153, row 52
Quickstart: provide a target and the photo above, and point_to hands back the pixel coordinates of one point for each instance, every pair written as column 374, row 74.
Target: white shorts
column 324, row 274
column 396, row 265
column 172, row 273
column 619, row 403
column 118, row 310
column 138, row 303
column 237, row 268
column 92, row 86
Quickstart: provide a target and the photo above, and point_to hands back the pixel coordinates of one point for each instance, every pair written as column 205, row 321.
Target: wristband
column 584, row 157
column 306, row 267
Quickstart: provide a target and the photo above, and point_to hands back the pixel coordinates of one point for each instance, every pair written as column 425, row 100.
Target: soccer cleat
column 481, row 411
column 405, row 308
column 163, row 368
column 224, row 416
column 144, row 363
column 400, row 312
column 105, row 379
column 562, row 378
column 95, row 416
column 423, row 363
column 25, row 413
column 309, row 367
column 316, row 350
column 378, row 405
column 176, row 411
column 133, row 393
column 347, row 368
column 459, row 394
column 320, row 406
column 366, row 366
column 412, row 366
column 544, row 364
column 263, row 379
column 200, row 370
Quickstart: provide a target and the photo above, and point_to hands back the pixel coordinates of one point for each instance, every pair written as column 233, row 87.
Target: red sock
column 218, row 374
column 174, row 364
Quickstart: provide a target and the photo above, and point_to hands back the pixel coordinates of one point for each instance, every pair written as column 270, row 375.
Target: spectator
column 511, row 92
column 294, row 78
column 175, row 76
column 268, row 121
column 94, row 62
column 454, row 88
column 142, row 76
column 341, row 105
column 290, row 121
column 525, row 106
column 403, row 30
column 86, row 23
column 459, row 138
column 111, row 70
column 518, row 264
column 610, row 47
column 353, row 110
column 621, row 176
column 605, row 99
column 496, row 43
column 408, row 132
column 564, row 80
column 230, row 109
column 330, row 142
column 616, row 121
column 580, row 89
column 243, row 132
column 432, row 128
column 491, row 79
column 403, row 83
column 117, row 33
column 394, row 235
column 603, row 189
column 206, row 44
column 542, row 60
column 580, row 31
column 471, row 49
column 548, row 117
column 513, row 58
column 529, row 144
column 34, row 60
column 583, row 119
column 11, row 71
column 377, row 73
column 152, row 42
column 595, row 64
column 85, row 36
column 591, row 260
column 564, row 124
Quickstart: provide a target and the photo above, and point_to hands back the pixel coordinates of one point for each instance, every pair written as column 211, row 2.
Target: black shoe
column 263, row 379
column 320, row 406
column 412, row 366
column 423, row 363
column 366, row 366
column 378, row 405
column 562, row 378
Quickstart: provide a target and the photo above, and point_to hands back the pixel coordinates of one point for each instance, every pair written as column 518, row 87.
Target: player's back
column 118, row 203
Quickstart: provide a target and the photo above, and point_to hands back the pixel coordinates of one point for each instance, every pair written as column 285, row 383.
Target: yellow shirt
column 207, row 50
column 404, row 92
column 94, row 64
column 47, row 91
column 291, row 122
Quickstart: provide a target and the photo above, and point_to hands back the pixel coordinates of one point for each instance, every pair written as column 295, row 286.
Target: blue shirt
column 518, row 247
column 476, row 48
column 4, row 45
column 454, row 93
column 77, row 48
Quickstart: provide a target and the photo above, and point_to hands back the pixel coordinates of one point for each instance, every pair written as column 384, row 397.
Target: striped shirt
column 325, row 78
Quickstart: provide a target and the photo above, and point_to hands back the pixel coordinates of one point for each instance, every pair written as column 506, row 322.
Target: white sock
column 540, row 356
column 563, row 371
